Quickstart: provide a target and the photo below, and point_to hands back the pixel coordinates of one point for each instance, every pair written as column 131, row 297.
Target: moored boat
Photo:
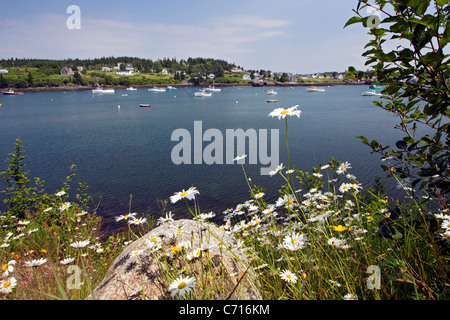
column 315, row 89
column 156, row 89
column 131, row 89
column 11, row 92
column 143, row 105
column 203, row 93
column 213, row 89
column 371, row 93
column 101, row 90
column 271, row 92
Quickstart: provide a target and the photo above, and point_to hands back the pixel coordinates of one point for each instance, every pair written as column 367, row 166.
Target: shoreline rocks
column 140, row 271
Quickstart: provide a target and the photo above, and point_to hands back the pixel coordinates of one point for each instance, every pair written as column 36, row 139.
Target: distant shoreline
column 147, row 86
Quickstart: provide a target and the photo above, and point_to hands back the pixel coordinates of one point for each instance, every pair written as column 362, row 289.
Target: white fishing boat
column 131, row 89
column 170, row 88
column 202, row 93
column 315, row 89
column 212, row 89
column 101, row 90
column 11, row 92
column 156, row 89
column 271, row 92
column 371, row 93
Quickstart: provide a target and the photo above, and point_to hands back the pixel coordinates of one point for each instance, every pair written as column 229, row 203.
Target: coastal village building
column 164, row 71
column 3, row 71
column 67, row 71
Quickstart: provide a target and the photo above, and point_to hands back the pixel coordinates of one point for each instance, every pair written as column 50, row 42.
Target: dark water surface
column 127, row 150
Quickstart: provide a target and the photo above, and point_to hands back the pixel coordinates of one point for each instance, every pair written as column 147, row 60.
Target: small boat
column 203, row 93
column 124, row 95
column 156, row 89
column 315, row 89
column 170, row 88
column 374, row 87
column 131, row 89
column 271, row 92
column 11, row 92
column 142, row 105
column 371, row 93
column 213, row 89
column 101, row 90
column 271, row 100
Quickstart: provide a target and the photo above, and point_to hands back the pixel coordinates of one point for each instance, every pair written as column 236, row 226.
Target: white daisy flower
column 343, row 167
column 350, row 296
column 67, row 260
column 277, row 169
column 35, row 263
column 80, row 244
column 282, row 113
column 239, row 158
column 288, row 276
column 137, row 221
column 7, row 285
column 7, row 268
column 65, row 206
column 181, row 286
column 126, row 216
column 189, row 194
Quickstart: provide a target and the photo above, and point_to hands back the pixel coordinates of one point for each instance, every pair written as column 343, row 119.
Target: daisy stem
column 287, row 147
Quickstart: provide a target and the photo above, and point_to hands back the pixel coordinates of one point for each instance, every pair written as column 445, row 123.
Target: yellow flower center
column 285, row 112
column 339, row 228
column 5, row 266
column 294, row 241
column 288, row 276
column 182, row 285
column 153, row 239
column 291, row 201
column 184, row 194
column 175, row 249
column 6, row 284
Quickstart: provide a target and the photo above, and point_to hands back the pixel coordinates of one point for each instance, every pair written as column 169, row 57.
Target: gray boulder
column 146, row 267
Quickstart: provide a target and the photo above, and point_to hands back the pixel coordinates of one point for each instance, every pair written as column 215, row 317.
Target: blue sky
column 299, row 36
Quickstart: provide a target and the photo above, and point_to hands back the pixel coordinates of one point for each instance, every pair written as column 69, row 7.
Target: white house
column 3, row 71
column 165, row 72
column 246, row 77
column 106, row 69
column 211, row 76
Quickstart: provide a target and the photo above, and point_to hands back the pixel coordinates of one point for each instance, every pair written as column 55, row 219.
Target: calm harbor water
column 127, row 150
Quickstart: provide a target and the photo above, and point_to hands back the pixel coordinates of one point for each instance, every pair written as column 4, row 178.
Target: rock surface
column 146, row 267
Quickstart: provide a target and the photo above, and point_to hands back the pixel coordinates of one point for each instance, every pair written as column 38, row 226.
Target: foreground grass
column 335, row 240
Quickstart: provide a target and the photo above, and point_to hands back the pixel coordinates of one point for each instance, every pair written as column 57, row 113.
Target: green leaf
column 353, row 20
column 442, row 2
column 421, row 36
column 422, row 7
